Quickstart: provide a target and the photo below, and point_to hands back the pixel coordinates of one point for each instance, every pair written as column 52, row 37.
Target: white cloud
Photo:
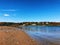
column 6, row 15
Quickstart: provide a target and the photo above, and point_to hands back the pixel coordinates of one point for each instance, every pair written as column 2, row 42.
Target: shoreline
column 14, row 37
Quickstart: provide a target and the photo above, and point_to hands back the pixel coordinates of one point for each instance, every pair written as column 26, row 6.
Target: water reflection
column 44, row 33
column 48, row 29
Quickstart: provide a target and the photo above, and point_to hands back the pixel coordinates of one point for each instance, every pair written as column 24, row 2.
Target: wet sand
column 12, row 36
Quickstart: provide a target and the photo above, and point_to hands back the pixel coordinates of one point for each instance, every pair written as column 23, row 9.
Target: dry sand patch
column 12, row 36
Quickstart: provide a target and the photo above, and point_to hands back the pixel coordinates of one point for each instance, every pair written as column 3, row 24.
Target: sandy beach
column 12, row 36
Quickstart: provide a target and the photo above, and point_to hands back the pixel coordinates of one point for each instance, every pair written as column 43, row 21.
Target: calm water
column 47, row 29
column 43, row 33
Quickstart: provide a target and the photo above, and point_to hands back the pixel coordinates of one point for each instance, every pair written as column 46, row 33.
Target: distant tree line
column 29, row 23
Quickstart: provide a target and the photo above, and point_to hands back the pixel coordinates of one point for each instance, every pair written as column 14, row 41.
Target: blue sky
column 29, row 10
